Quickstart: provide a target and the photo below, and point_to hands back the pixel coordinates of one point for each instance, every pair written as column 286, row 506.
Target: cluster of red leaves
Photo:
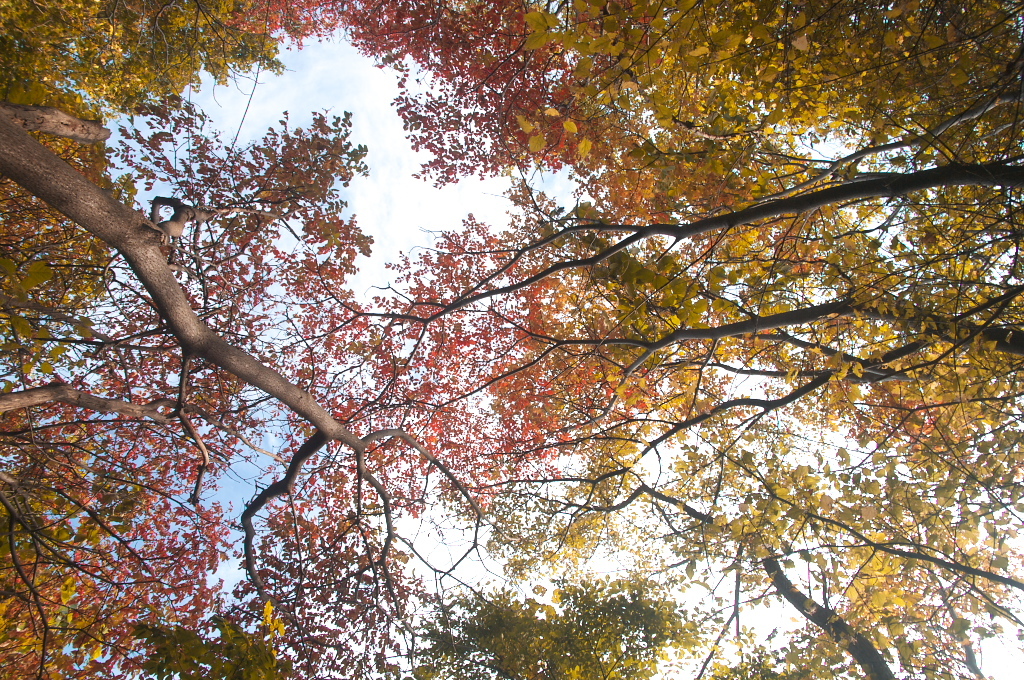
column 467, row 77
column 111, row 539
column 108, row 540
column 295, row 20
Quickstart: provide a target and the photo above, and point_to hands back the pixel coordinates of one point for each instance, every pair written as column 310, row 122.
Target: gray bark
column 44, row 174
column 55, row 122
column 37, row 396
column 856, row 644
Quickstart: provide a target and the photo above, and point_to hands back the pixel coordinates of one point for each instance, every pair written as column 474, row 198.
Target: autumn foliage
column 770, row 351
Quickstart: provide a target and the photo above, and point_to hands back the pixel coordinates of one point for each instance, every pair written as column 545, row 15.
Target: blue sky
column 391, row 204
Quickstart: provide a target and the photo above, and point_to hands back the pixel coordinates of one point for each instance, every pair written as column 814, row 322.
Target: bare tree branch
column 66, row 394
column 55, row 122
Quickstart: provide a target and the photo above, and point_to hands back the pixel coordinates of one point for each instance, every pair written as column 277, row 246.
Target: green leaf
column 536, row 21
column 535, row 41
column 38, row 273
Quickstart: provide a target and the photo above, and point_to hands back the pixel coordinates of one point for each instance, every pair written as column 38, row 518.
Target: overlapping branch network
column 892, row 299
column 138, row 240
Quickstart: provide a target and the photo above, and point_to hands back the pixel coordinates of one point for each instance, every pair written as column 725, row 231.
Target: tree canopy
column 609, row 630
column 770, row 353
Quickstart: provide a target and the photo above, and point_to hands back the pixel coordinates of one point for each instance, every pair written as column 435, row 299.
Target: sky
column 393, row 206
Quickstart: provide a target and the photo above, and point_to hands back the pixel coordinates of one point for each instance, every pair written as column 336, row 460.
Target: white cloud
column 391, row 205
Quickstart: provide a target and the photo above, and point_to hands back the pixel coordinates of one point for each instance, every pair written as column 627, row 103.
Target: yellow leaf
column 699, row 51
column 584, row 67
column 583, row 148
column 537, row 143
column 536, row 21
column 551, row 111
column 67, row 590
column 38, row 273
column 525, row 124
column 536, row 41
column 569, row 126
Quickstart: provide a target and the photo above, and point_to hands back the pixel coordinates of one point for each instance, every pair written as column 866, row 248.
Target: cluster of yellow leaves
column 695, row 102
column 113, row 55
column 897, row 476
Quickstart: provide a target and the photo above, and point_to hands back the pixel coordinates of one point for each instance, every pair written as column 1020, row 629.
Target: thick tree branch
column 43, row 173
column 911, row 140
column 278, row 488
column 755, row 324
column 65, row 394
column 885, row 185
column 1006, row 340
column 1003, row 339
column 55, row 122
column 873, row 369
column 858, row 646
